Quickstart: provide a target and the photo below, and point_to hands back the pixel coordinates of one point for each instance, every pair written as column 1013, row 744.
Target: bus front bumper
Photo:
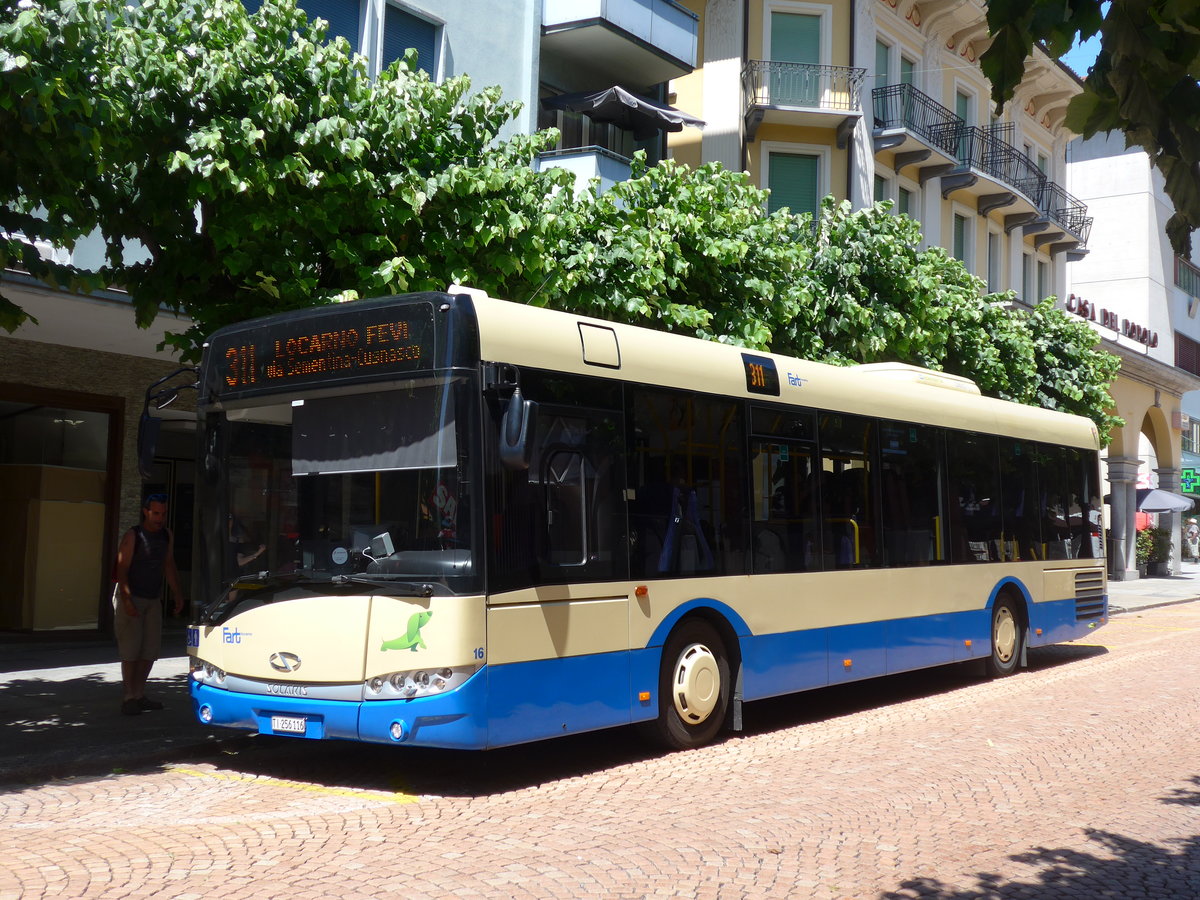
column 454, row 720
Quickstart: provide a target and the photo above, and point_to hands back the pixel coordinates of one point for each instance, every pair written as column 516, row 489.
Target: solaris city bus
column 447, row 520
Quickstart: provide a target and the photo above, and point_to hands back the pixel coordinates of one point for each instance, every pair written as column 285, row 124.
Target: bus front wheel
column 693, row 690
column 1007, row 638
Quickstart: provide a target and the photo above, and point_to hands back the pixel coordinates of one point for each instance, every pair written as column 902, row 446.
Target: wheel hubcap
column 1005, row 639
column 697, row 684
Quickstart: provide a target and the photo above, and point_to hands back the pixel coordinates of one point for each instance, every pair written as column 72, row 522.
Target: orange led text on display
column 328, row 352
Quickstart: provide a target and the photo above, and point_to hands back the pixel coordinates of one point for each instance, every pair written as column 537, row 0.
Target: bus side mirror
column 517, row 426
column 147, row 442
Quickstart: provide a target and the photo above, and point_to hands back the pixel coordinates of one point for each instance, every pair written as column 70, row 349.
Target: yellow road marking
column 396, row 797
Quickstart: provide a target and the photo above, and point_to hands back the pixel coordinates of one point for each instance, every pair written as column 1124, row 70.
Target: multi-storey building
column 1144, row 302
column 884, row 99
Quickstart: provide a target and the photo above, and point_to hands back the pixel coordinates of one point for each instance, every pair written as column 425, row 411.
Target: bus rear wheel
column 693, row 689
column 1007, row 639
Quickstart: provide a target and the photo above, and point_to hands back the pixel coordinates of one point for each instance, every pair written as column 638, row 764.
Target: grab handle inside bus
column 517, row 427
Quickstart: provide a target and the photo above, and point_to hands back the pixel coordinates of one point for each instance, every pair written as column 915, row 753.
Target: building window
column 904, row 203
column 1043, row 163
column 1027, row 279
column 1043, row 280
column 344, row 18
column 1191, row 438
column 883, row 61
column 1187, row 277
column 794, row 181
column 964, row 107
column 962, row 228
column 907, row 70
column 881, row 189
column 1187, row 354
column 401, row 30
column 994, row 259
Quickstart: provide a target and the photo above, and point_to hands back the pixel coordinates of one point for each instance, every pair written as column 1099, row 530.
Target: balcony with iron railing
column 1067, row 213
column 913, row 124
column 802, row 94
column 984, row 151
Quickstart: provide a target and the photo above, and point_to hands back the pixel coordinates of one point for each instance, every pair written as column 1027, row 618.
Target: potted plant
column 1142, row 549
column 1159, row 559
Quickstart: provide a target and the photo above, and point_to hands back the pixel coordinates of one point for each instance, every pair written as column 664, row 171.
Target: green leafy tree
column 261, row 170
column 258, row 166
column 684, row 250
column 1144, row 82
column 877, row 297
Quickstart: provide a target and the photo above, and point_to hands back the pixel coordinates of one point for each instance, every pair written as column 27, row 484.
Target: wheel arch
column 729, row 626
column 1014, row 591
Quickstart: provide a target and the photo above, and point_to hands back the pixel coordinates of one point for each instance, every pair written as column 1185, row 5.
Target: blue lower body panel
column 545, row 698
column 1059, row 621
column 513, row 703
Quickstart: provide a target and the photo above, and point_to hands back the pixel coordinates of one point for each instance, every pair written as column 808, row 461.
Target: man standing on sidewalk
column 145, row 556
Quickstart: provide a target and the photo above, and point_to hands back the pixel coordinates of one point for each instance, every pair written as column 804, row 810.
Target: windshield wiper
column 417, row 589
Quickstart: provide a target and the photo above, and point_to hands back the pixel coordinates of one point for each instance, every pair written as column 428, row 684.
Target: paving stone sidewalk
column 60, row 698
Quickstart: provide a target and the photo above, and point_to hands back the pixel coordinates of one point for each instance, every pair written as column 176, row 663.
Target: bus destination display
column 367, row 342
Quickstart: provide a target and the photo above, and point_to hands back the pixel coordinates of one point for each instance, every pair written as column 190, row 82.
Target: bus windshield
column 364, row 484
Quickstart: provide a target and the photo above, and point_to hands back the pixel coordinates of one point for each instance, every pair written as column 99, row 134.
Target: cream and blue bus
column 448, row 520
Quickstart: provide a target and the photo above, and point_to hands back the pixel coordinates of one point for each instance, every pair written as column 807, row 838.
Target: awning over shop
column 617, row 106
column 1156, row 500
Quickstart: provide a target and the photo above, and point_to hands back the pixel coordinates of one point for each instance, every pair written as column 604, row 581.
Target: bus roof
column 548, row 339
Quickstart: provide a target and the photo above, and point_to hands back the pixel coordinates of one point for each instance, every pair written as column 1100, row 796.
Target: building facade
column 1144, row 302
column 872, row 100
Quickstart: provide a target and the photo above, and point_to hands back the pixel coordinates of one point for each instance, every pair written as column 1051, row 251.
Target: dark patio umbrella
column 1154, row 500
column 641, row 115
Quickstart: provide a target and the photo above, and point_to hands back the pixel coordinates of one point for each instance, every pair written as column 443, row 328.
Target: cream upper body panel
column 546, row 339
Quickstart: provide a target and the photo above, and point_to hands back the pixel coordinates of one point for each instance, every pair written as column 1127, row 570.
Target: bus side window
column 688, row 488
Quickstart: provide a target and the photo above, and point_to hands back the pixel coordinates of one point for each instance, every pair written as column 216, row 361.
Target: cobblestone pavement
column 1078, row 778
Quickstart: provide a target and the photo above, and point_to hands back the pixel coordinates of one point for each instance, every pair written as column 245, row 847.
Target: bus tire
column 693, row 687
column 1007, row 637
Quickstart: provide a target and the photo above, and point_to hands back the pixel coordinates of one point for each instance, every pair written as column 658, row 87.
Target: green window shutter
column 792, row 178
column 795, row 38
column 960, row 237
column 962, row 106
column 904, row 206
column 882, row 55
column 907, row 71
column 880, row 188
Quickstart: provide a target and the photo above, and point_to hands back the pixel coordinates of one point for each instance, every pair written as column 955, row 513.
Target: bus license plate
column 288, row 724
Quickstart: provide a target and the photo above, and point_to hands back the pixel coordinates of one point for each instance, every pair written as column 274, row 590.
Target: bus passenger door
column 578, row 467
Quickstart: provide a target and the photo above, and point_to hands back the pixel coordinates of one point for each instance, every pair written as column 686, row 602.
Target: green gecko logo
column 412, row 637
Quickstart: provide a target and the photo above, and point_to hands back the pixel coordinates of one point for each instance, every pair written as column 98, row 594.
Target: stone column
column 1122, row 534
column 1168, row 480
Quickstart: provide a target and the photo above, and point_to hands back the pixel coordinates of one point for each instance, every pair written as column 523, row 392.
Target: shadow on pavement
column 54, row 727
column 458, row 773
column 1120, row 867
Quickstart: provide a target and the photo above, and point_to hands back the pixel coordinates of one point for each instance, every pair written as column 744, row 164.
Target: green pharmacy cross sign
column 1189, row 480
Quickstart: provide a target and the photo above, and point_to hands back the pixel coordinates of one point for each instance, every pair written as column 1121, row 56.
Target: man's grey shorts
column 140, row 636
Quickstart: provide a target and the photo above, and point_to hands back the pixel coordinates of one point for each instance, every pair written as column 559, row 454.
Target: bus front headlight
column 418, row 683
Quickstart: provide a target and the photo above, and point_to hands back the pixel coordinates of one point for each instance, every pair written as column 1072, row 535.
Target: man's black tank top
column 149, row 559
